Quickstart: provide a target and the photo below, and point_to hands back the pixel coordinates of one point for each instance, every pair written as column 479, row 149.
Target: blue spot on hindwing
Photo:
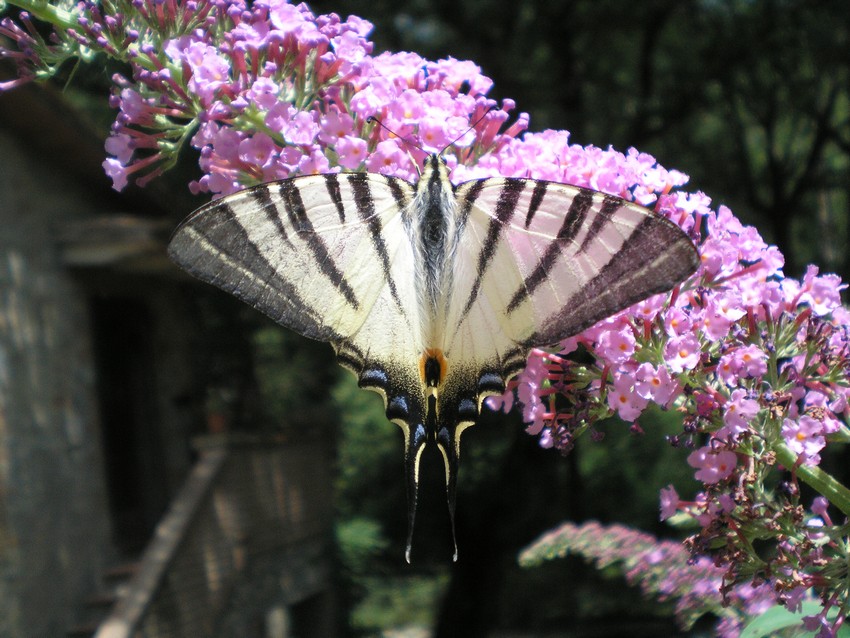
column 467, row 410
column 491, row 382
column 397, row 408
column 373, row 378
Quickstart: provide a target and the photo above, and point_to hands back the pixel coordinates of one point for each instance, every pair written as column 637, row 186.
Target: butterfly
column 432, row 293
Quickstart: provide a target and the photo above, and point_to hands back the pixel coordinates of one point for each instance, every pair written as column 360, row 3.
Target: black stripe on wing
column 471, row 191
column 263, row 198
column 332, row 183
column 610, row 206
column 365, row 203
column 297, row 213
column 536, row 199
column 505, row 207
column 653, row 259
column 573, row 220
column 216, row 248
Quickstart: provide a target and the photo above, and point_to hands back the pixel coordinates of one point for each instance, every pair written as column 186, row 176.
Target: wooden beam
column 126, row 242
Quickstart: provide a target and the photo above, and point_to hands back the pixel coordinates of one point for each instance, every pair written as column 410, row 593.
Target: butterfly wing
column 543, row 261
column 330, row 257
column 303, row 250
column 537, row 262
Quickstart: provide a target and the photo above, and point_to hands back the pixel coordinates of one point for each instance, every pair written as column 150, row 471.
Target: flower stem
column 47, row 12
column 824, row 483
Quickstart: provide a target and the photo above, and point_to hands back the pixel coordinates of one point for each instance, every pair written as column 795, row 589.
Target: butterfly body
column 431, row 293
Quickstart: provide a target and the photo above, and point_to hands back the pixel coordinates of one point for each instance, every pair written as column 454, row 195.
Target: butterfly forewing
column 564, row 259
column 311, row 253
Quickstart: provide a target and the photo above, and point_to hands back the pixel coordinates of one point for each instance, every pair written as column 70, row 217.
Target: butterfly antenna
column 407, row 141
column 471, row 128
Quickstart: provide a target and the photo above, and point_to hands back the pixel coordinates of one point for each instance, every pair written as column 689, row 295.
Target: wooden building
column 101, row 406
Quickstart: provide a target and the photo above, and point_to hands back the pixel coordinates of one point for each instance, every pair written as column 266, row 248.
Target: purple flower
column 388, row 158
column 751, row 361
column 133, row 106
column 712, row 466
column 258, row 149
column 334, row 126
column 805, row 437
column 300, row 129
column 655, row 384
column 352, row 152
column 434, row 132
column 117, row 172
column 210, row 71
column 669, row 502
column 677, row 322
column 503, row 402
column 714, row 324
column 292, row 20
column 121, row 146
column 748, row 361
column 623, row 398
column 821, row 293
column 314, row 163
column 682, row 353
column 616, row 345
column 263, row 92
column 820, row 508
column 738, row 412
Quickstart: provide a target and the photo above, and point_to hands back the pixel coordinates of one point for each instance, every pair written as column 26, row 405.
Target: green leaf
column 779, row 617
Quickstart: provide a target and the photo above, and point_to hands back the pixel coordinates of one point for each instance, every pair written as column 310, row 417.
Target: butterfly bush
column 754, row 363
column 662, row 569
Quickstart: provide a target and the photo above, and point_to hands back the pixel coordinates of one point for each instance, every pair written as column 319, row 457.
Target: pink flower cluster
column 275, row 91
column 268, row 91
column 731, row 349
column 662, row 569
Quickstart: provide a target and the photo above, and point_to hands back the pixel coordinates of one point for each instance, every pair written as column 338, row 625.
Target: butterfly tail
column 448, row 440
column 413, row 446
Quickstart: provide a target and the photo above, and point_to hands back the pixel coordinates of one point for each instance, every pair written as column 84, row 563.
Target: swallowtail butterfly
column 432, row 294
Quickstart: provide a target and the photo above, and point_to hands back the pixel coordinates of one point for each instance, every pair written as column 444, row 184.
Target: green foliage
column 624, row 471
column 291, row 399
column 385, row 592
column 778, row 621
column 407, row 602
column 360, row 541
column 369, row 477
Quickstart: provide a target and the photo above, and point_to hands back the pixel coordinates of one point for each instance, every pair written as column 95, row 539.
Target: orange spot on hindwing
column 432, row 367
